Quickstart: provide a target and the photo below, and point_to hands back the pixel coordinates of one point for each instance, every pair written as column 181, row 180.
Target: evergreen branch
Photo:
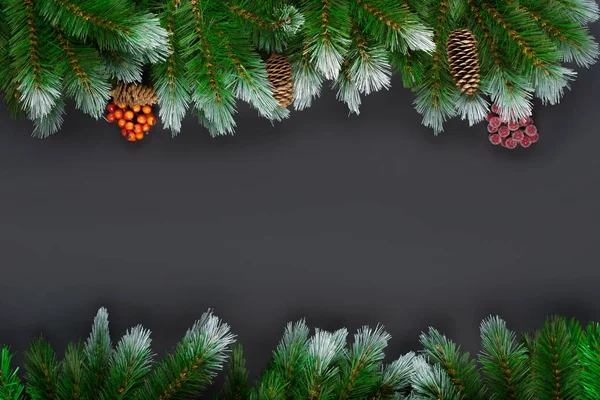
column 50, row 123
column 410, row 66
column 581, row 11
column 131, row 362
column 71, row 373
column 236, row 384
column 327, row 33
column 123, row 67
column 85, row 77
column 112, row 24
column 359, row 371
column 589, row 354
column 31, row 48
column 171, row 84
column 308, row 82
column 505, row 362
column 11, row 387
column 557, row 366
column 432, row 383
column 185, row 373
column 8, row 83
column 460, row 368
column 98, row 353
column 41, row 371
column 396, row 378
column 270, row 31
column 394, row 22
column 270, row 387
column 325, row 349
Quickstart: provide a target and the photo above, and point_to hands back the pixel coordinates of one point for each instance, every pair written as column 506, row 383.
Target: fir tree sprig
column 395, row 379
column 431, row 382
column 505, row 361
column 557, row 366
column 359, row 370
column 71, row 373
column 41, row 371
column 236, row 383
column 461, row 369
column 131, row 361
column 11, row 387
column 98, row 352
column 185, row 372
column 589, row 355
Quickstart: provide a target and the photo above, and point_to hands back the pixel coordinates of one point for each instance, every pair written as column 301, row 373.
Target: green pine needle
column 98, row 353
column 11, row 387
column 41, row 371
column 236, row 383
column 71, row 373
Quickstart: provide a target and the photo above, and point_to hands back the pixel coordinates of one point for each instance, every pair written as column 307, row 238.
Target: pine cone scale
column 279, row 73
column 464, row 61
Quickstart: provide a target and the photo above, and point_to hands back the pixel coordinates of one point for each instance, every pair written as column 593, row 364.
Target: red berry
column 146, row 128
column 513, row 125
column 111, row 117
column 129, row 126
column 531, row 130
column 146, row 110
column 504, row 131
column 111, row 108
column 121, row 123
column 525, row 142
column 151, row 120
column 490, row 116
column 138, row 128
column 124, row 132
column 495, row 122
column 495, row 139
column 492, row 129
column 495, row 108
column 518, row 135
column 534, row 138
column 129, row 115
column 118, row 114
column 511, row 143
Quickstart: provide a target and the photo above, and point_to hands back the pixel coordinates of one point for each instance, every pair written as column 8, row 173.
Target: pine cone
column 464, row 60
column 279, row 71
column 133, row 94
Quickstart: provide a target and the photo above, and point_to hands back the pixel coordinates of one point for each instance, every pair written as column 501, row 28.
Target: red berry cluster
column 135, row 122
column 510, row 133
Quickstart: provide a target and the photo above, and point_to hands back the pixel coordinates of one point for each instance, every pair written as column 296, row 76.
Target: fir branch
column 185, row 373
column 8, row 83
column 359, row 370
column 85, row 76
column 130, row 363
column 71, row 373
column 11, row 387
column 327, row 33
column 396, row 378
column 325, row 349
column 432, row 383
column 396, row 24
column 123, row 67
column 41, row 371
column 581, row 11
column 98, row 352
column 557, row 366
column 461, row 369
column 308, row 82
column 589, row 355
column 32, row 50
column 171, row 85
column 505, row 362
column 236, row 384
column 112, row 24
column 269, row 28
column 50, row 123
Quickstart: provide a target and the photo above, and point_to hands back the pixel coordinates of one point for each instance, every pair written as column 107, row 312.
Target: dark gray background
column 343, row 220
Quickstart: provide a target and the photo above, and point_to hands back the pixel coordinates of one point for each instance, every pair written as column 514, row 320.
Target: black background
column 343, row 220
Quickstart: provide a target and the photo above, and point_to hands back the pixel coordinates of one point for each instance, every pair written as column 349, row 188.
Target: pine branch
column 71, row 373
column 85, row 76
column 41, row 371
column 11, row 387
column 589, row 354
column 123, row 67
column 32, row 49
column 236, row 384
column 171, row 84
column 432, row 383
column 325, row 349
column 506, row 365
column 98, row 352
column 557, row 366
column 395, row 23
column 131, row 362
column 186, row 372
column 113, row 24
column 308, row 81
column 327, row 32
column 359, row 370
column 396, row 378
column 8, row 83
column 581, row 11
column 461, row 369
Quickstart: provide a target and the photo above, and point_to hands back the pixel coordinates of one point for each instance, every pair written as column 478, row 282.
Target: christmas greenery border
column 459, row 57
column 560, row 361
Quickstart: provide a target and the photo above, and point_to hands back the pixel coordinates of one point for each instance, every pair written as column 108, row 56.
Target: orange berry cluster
column 135, row 122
